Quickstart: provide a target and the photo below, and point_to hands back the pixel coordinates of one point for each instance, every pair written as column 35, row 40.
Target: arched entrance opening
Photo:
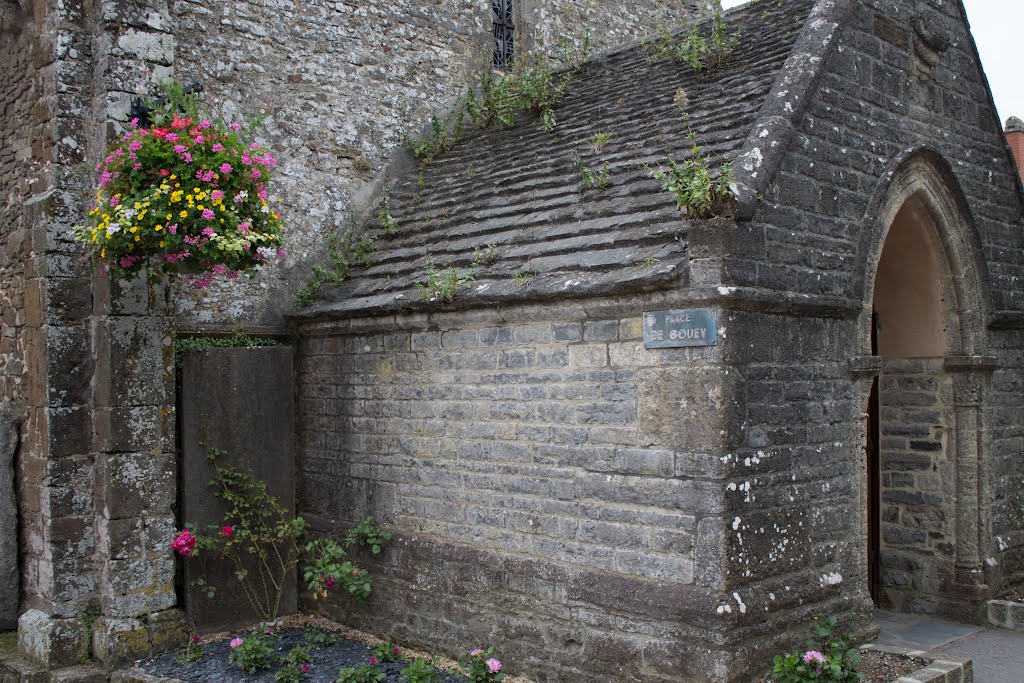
column 911, row 478
column 924, row 321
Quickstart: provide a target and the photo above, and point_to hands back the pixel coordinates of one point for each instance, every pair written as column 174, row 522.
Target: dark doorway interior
column 874, row 485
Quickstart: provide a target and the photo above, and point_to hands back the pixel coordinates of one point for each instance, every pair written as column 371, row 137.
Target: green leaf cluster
column 697, row 194
column 367, row 673
column 691, row 47
column 443, row 285
column 838, row 651
column 421, row 671
column 252, row 655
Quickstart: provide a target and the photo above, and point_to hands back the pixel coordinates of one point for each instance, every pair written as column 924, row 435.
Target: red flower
column 181, row 123
column 329, row 582
column 195, row 638
column 158, row 132
column 228, row 531
column 184, row 543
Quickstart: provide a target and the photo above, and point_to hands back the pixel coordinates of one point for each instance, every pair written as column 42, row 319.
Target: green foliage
column 482, row 667
column 367, row 673
column 387, row 221
column 522, row 277
column 253, row 654
column 599, row 141
column 193, row 651
column 485, row 257
column 261, row 540
column 442, row 134
column 589, row 179
column 649, row 262
column 292, row 669
column 697, row 194
column 187, row 345
column 828, row 657
column 532, row 87
column 421, row 671
column 443, row 285
column 318, row 638
column 345, row 249
column 387, row 652
column 694, row 49
column 368, row 535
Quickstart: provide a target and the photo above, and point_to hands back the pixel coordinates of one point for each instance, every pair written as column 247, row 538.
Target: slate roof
column 519, row 189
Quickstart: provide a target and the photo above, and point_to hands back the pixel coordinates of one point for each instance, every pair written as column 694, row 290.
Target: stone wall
column 917, row 485
column 340, row 85
column 554, row 487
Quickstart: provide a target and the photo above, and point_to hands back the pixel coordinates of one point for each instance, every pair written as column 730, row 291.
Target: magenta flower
column 329, row 582
column 813, row 656
column 199, row 139
column 185, row 541
column 493, row 665
column 204, row 124
column 171, row 137
column 179, row 149
column 373, row 661
column 225, row 168
column 305, row 668
column 236, row 642
column 208, row 214
column 135, row 146
column 235, row 126
column 216, row 194
column 195, row 638
column 228, row 531
column 217, row 147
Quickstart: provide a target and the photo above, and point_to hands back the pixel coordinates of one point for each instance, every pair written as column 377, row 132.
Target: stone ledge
column 136, row 675
column 1006, row 614
column 942, row 668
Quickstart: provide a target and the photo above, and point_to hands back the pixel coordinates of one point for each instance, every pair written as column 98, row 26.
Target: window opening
column 504, row 33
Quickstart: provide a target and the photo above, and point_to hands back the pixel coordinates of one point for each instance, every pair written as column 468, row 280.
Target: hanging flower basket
column 187, row 195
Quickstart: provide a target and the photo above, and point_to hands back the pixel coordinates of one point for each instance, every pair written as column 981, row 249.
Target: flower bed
column 352, row 649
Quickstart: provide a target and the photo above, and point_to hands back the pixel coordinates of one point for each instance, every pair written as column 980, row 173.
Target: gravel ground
column 883, row 667
column 324, row 668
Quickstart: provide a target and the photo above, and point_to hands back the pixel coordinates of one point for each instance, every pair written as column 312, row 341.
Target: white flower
column 112, row 228
column 266, row 253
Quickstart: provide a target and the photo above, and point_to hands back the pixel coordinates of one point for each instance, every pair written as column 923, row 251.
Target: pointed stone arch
column 933, row 518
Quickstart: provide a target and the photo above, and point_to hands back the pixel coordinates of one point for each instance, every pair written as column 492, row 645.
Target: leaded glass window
column 504, row 33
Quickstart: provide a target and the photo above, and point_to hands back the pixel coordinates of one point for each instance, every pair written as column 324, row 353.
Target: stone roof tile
column 519, row 189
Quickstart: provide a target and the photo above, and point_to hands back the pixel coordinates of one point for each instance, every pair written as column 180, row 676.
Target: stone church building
column 625, row 443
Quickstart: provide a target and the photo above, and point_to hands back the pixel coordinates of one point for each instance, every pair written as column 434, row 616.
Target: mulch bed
column 884, row 667
column 353, row 650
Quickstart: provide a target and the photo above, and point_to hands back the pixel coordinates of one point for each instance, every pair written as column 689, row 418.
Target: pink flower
column 195, row 638
column 185, row 541
column 280, row 252
column 208, row 232
column 173, row 229
column 217, row 147
column 493, row 665
column 235, row 126
column 134, row 123
column 179, row 149
column 476, row 652
column 171, row 137
column 208, row 214
column 305, row 668
column 187, row 158
column 225, row 168
column 114, row 201
column 204, row 124
column 135, row 146
column 329, row 582
column 373, row 661
column 136, row 166
column 228, row 531
column 236, row 642
column 199, row 139
column 394, row 650
column 255, row 174
column 243, row 228
column 164, row 172
column 216, row 194
column 813, row 656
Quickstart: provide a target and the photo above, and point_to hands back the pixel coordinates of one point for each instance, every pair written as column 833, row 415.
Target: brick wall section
column 543, row 482
column 341, row 84
column 917, row 485
column 1016, row 141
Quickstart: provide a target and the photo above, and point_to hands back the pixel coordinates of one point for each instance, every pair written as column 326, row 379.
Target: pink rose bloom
column 225, row 168
column 228, row 531
column 476, row 652
column 217, row 147
column 208, row 214
column 493, row 665
column 236, row 642
column 813, row 656
column 185, row 541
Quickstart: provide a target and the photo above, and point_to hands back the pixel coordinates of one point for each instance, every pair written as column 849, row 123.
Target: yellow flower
column 183, row 214
column 103, row 252
column 137, row 206
column 168, row 217
column 133, row 229
column 157, row 228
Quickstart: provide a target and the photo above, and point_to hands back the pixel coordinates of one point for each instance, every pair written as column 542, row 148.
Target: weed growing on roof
column 697, row 193
column 443, row 285
column 691, row 47
column 589, row 178
column 523, row 276
column 345, row 249
column 485, row 257
column 388, row 221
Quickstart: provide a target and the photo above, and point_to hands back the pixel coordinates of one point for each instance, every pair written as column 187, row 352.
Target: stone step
column 15, row 668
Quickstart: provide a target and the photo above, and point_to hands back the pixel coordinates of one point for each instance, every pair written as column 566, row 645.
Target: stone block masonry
column 552, row 472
